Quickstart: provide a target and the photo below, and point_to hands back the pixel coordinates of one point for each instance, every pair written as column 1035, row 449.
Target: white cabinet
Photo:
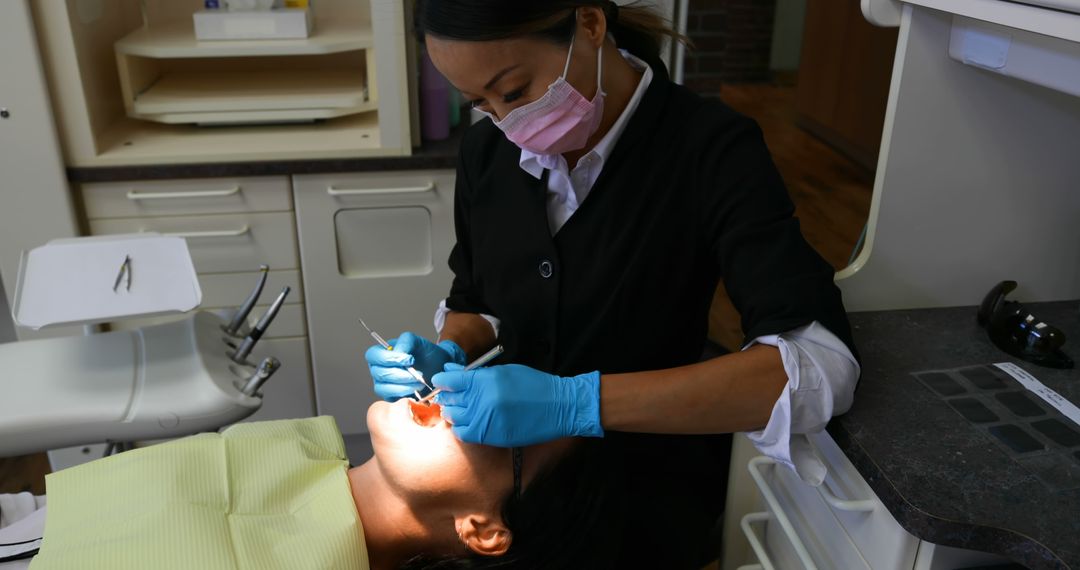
column 221, row 243
column 372, row 245
column 841, row 524
column 232, row 225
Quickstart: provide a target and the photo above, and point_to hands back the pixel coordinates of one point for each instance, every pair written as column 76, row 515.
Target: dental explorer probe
column 266, row 369
column 245, row 309
column 242, row 352
column 487, row 357
column 382, row 342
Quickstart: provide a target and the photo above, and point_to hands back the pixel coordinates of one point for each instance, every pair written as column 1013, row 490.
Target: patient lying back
column 280, row 495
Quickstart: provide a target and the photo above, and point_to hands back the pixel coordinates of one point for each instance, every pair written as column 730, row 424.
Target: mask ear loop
column 600, row 71
column 599, row 64
column 570, row 53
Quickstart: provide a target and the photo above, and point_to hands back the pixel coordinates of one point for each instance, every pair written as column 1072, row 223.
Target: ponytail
column 637, row 27
column 640, row 29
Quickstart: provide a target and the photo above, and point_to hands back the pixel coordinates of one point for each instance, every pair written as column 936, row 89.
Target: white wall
column 35, row 205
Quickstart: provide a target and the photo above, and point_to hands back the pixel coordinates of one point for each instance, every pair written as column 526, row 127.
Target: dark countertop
column 944, row 479
column 437, row 155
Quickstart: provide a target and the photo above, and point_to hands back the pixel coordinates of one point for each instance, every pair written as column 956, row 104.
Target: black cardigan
column 688, row 195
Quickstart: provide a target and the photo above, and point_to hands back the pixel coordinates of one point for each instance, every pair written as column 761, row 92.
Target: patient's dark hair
column 637, row 27
column 570, row 516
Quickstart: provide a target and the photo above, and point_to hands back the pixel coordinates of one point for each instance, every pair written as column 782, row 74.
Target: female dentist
column 595, row 213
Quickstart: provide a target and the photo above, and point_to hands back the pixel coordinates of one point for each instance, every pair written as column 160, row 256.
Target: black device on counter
column 1015, row 330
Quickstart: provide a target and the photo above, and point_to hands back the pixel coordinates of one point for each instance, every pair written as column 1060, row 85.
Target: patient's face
column 419, row 461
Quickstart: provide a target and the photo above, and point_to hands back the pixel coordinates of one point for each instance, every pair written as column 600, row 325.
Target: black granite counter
column 944, row 478
column 437, row 155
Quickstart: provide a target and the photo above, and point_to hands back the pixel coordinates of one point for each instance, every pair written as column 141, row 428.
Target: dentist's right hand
column 389, row 368
column 513, row 405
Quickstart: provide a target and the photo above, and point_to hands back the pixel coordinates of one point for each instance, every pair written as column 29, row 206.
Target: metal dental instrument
column 125, row 271
column 266, row 369
column 242, row 313
column 487, row 357
column 242, row 352
column 412, row 371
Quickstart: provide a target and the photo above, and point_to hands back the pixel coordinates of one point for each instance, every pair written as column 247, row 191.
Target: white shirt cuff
column 442, row 311
column 822, row 374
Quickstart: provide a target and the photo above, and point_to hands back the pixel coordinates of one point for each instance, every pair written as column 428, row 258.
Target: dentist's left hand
column 514, row 405
column 389, row 368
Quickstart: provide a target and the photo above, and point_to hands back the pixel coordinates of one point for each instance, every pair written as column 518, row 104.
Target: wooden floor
column 18, row 474
column 831, row 193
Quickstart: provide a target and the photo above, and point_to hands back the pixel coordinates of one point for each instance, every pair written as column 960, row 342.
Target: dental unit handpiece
column 266, row 369
column 487, row 357
column 382, row 342
column 245, row 348
column 233, row 328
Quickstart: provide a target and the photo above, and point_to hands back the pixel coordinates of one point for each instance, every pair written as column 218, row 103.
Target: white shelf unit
column 263, row 96
column 134, row 87
column 176, row 39
column 167, row 76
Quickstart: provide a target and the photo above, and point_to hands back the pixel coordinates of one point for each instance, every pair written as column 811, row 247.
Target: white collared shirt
column 567, row 189
column 821, row 371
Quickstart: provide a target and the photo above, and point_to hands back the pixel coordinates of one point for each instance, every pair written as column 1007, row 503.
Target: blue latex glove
column 389, row 367
column 514, row 405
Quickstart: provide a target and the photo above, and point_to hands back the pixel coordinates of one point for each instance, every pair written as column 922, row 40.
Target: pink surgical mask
column 562, row 120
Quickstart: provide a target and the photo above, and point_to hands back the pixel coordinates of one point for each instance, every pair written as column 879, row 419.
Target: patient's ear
column 484, row 535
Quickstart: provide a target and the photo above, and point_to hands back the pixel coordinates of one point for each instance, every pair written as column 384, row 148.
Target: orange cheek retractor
column 425, row 414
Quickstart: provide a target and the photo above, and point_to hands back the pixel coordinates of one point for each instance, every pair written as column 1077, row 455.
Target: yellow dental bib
column 260, row 496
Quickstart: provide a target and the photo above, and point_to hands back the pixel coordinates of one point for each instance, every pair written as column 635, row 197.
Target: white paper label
column 257, row 27
column 1059, row 402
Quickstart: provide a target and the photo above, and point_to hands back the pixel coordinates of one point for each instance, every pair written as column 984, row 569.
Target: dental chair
column 152, row 383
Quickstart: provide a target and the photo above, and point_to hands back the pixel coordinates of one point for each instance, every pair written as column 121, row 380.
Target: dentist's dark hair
column 637, row 27
column 569, row 516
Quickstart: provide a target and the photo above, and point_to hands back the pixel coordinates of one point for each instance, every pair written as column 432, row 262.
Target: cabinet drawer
column 802, row 532
column 288, row 393
column 183, row 197
column 290, row 321
column 221, row 243
column 228, row 290
column 877, row 535
column 347, row 224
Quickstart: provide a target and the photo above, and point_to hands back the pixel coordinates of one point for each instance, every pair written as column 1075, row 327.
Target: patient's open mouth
column 425, row 414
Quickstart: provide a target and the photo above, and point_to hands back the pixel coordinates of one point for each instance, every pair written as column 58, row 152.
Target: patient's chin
column 379, row 417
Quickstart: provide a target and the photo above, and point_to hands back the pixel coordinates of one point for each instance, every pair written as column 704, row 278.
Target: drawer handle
column 755, row 542
column 777, row 511
column 851, row 506
column 136, row 196
column 224, row 233
column 847, row 505
column 380, row 191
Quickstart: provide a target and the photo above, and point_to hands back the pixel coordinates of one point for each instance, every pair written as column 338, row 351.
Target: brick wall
column 732, row 40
